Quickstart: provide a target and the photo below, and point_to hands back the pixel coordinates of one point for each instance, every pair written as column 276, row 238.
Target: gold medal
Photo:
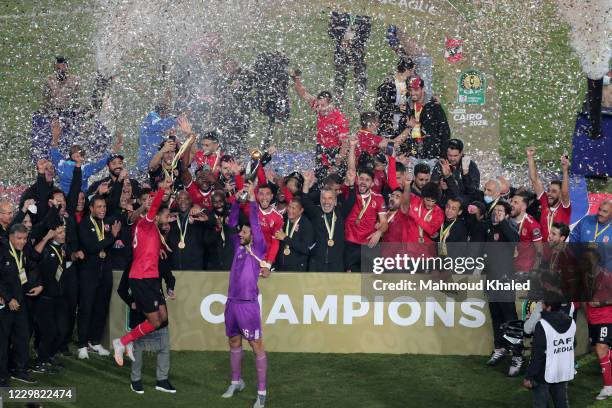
column 421, row 240
column 330, row 242
column 287, row 251
column 181, row 245
column 102, row 254
column 263, row 264
column 442, row 250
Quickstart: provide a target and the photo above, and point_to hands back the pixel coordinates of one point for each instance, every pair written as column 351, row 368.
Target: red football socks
column 137, row 332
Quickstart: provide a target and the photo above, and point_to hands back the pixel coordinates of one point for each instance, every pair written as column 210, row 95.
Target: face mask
column 488, row 199
column 61, row 75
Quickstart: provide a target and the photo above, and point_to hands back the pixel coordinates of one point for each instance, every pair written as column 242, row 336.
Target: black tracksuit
column 299, row 246
column 386, row 107
column 435, row 130
column 14, row 325
column 95, row 281
column 52, row 307
column 190, row 258
column 324, row 258
column 456, row 239
column 350, row 53
column 501, row 240
column 219, row 251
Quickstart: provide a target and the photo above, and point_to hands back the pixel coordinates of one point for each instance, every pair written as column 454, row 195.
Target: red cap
column 416, row 83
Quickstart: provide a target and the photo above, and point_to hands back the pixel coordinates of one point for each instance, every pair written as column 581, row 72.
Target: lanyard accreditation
column 287, row 250
column 23, row 278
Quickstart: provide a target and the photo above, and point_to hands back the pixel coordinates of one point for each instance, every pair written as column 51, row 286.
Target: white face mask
column 488, row 199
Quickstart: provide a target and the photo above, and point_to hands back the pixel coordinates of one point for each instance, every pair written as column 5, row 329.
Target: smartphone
column 389, row 150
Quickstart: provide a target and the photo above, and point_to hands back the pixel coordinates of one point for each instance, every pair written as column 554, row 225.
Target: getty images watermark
column 414, row 269
column 403, row 263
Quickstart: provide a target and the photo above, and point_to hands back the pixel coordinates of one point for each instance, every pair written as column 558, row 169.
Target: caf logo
column 471, row 81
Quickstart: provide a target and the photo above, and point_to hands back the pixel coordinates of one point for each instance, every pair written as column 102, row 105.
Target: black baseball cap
column 455, row 144
column 297, row 176
column 61, row 60
column 113, row 157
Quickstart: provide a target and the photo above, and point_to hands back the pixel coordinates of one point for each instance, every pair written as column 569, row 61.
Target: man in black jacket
column 51, row 309
column 296, row 238
column 553, row 339
column 18, row 279
column 95, row 276
column 464, row 171
column 219, row 251
column 430, row 130
column 186, row 236
column 350, row 33
column 392, row 100
column 327, row 220
column 116, row 171
column 501, row 238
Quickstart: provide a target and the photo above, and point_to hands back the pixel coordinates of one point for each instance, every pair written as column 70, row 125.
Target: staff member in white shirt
column 552, row 358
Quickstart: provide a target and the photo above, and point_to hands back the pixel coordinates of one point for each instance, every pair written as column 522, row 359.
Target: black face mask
column 61, row 75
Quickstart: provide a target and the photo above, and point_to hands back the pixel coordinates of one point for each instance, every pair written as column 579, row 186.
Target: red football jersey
column 332, row 129
column 380, row 179
column 359, row 231
column 212, row 160
column 552, row 215
column 428, row 220
column 270, row 221
column 198, row 197
column 602, row 291
column 147, row 243
column 529, row 232
column 398, row 227
column 367, row 142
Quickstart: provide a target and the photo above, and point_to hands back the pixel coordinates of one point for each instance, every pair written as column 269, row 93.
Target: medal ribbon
column 20, row 264
column 597, row 234
column 390, row 218
column 444, row 232
column 365, row 204
column 60, row 267
column 330, row 230
column 99, row 231
column 182, row 233
column 295, row 224
column 250, row 251
column 426, row 215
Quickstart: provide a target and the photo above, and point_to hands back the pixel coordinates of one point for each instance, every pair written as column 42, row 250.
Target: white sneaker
column 515, row 366
column 119, row 351
column 99, row 349
column 605, row 392
column 260, row 401
column 129, row 351
column 83, row 354
column 233, row 388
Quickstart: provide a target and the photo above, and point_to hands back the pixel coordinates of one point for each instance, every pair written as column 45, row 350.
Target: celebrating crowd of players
column 400, row 179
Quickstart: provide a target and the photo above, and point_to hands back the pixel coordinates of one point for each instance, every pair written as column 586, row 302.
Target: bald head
column 604, row 214
column 6, row 213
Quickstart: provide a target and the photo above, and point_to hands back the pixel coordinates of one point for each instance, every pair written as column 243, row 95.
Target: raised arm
column 259, row 242
column 169, row 146
column 157, row 200
column 565, row 196
column 301, row 90
column 538, row 188
column 72, row 199
column 392, row 174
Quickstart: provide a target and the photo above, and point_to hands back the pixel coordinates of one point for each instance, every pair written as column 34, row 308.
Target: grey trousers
column 558, row 392
column 158, row 342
